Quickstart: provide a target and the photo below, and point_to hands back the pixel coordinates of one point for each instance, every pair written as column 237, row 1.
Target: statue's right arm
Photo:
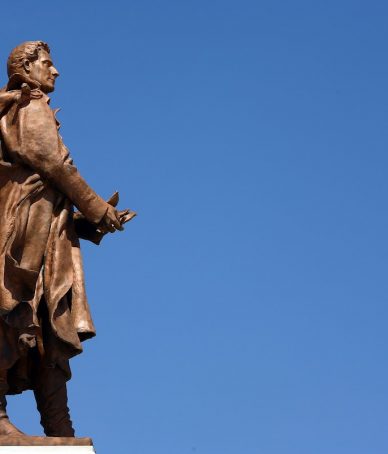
column 34, row 141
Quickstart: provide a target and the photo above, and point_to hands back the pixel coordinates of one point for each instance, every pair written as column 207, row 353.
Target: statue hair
column 28, row 50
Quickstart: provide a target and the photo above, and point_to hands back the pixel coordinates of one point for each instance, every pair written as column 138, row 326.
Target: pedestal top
column 47, row 450
column 27, row 440
column 45, row 445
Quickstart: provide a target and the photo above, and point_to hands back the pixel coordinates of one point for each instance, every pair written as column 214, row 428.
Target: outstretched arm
column 31, row 136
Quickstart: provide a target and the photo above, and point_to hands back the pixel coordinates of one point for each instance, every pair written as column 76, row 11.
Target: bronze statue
column 44, row 314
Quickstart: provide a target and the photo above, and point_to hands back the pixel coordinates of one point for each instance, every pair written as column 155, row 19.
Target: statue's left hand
column 123, row 216
column 126, row 215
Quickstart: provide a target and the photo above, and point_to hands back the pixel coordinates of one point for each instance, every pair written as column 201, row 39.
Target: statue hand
column 111, row 220
column 124, row 215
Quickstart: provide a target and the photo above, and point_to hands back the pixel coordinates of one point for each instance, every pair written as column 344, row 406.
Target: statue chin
column 47, row 88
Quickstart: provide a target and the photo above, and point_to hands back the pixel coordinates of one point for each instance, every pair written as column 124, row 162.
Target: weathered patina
column 46, row 207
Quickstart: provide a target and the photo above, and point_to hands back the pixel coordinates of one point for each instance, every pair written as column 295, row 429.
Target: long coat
column 42, row 288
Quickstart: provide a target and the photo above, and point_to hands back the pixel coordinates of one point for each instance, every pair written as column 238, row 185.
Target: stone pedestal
column 45, row 445
column 47, row 450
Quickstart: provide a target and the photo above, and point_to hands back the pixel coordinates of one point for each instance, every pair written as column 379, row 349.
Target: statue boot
column 51, row 399
column 7, row 429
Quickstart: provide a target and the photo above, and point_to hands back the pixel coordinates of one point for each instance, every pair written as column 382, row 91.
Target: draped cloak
column 42, row 290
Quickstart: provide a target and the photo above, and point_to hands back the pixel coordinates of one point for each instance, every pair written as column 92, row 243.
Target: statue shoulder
column 7, row 99
column 22, row 98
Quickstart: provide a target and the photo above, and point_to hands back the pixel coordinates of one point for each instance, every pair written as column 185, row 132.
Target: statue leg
column 51, row 398
column 6, row 427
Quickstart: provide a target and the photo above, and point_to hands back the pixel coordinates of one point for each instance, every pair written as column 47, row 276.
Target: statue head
column 33, row 60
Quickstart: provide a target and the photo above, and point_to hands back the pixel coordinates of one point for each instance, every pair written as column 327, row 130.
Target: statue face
column 43, row 71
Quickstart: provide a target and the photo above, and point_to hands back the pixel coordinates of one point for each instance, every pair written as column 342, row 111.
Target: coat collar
column 17, row 80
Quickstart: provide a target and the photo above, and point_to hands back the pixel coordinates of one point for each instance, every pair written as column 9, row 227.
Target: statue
column 46, row 207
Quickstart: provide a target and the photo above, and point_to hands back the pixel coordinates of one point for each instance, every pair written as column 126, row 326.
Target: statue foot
column 7, row 429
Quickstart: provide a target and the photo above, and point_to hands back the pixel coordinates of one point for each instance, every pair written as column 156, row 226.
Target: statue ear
column 27, row 65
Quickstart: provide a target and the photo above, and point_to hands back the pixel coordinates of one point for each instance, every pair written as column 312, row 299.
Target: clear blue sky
column 245, row 310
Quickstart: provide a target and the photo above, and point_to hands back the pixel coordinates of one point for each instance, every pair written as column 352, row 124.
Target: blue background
column 245, row 310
